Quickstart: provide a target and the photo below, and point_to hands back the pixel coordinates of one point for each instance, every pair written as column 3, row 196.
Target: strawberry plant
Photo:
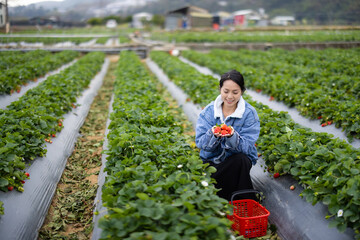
column 13, row 58
column 45, row 40
column 157, row 187
column 28, row 121
column 20, row 74
column 313, row 92
column 327, row 168
column 255, row 36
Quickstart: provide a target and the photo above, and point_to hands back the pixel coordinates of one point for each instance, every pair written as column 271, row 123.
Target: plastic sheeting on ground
column 99, row 208
column 294, row 217
column 6, row 100
column 25, row 212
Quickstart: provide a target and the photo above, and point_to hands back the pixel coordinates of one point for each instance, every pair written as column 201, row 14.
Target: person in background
column 234, row 153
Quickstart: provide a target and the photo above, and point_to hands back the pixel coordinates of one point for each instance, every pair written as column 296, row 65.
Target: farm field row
column 286, row 147
column 318, row 162
column 157, row 186
column 77, row 41
column 257, row 36
column 71, row 211
column 36, row 117
column 26, row 67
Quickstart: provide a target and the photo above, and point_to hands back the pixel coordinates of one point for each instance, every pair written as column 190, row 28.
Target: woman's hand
column 222, row 131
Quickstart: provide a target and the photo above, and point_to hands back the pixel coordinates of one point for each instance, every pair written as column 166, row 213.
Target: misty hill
column 318, row 12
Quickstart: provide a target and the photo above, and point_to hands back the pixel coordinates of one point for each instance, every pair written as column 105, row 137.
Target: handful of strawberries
column 223, row 130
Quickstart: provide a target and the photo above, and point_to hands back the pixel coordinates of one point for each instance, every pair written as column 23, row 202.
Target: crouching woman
column 234, row 153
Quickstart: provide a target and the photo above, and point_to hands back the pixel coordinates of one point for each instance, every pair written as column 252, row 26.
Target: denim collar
column 239, row 111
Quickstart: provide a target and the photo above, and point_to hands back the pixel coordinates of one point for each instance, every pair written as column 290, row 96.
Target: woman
column 232, row 154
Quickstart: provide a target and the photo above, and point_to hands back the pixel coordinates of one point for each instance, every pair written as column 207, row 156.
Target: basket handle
column 246, row 191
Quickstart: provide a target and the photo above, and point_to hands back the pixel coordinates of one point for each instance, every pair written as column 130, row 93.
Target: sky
column 13, row 3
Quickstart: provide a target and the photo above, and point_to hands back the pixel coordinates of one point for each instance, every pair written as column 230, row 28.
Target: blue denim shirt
column 246, row 124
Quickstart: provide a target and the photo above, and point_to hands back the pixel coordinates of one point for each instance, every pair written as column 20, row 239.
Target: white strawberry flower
column 340, row 213
column 205, row 183
column 221, row 213
column 179, row 166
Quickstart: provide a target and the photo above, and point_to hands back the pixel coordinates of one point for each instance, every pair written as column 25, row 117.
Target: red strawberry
column 324, row 124
column 217, row 130
column 27, row 174
column 271, row 98
column 53, row 135
column 10, row 188
column 224, row 132
column 292, row 187
column 229, row 129
column 276, row 175
column 60, row 124
column 329, row 122
column 319, row 117
column 22, row 181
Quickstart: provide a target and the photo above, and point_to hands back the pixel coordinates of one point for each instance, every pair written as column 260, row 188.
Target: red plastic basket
column 249, row 218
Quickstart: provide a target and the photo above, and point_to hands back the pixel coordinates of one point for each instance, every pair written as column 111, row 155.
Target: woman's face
column 230, row 93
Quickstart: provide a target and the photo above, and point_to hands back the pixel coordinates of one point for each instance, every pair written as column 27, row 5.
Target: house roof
column 187, row 9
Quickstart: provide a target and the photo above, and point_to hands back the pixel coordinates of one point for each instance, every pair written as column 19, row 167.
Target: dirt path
column 71, row 210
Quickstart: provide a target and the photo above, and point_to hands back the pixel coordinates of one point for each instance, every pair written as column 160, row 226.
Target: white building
column 248, row 17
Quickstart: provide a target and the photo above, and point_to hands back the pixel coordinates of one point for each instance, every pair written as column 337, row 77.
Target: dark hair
column 236, row 77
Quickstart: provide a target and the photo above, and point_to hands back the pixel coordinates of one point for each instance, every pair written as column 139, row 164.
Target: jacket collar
column 239, row 112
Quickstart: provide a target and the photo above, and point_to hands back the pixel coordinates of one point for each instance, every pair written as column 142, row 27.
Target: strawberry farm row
column 157, row 186
column 29, row 67
column 320, row 89
column 327, row 168
column 257, row 36
column 45, row 40
column 54, row 40
column 9, row 59
column 31, row 121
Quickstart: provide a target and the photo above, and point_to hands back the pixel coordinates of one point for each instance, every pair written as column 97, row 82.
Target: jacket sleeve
column 244, row 139
column 205, row 139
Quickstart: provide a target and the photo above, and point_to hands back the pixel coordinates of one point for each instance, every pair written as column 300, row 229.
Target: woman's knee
column 240, row 159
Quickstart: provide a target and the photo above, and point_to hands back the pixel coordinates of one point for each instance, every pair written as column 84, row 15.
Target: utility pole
column 7, row 23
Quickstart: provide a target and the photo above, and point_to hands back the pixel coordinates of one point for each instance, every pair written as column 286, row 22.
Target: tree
column 95, row 21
